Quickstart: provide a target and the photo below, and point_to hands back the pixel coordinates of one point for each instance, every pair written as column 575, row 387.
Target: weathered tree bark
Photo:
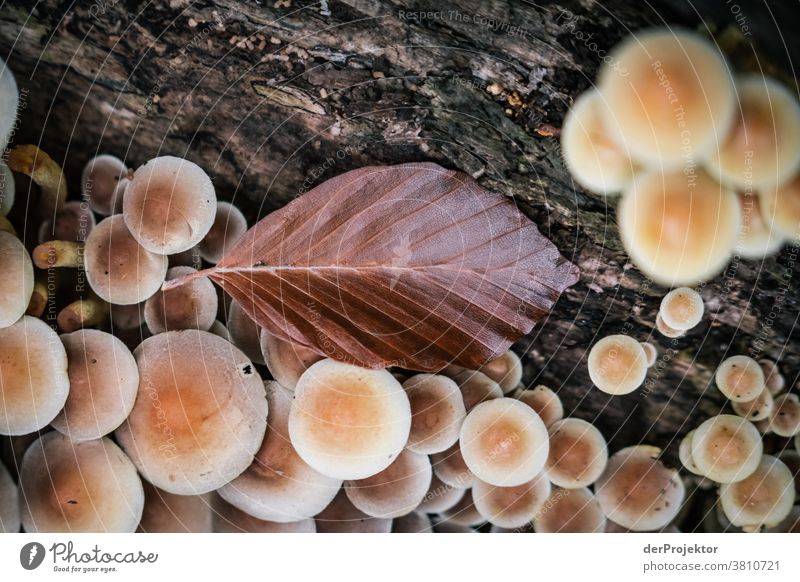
column 274, row 99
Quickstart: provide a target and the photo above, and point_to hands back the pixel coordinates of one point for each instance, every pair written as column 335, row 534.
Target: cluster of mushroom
column 708, row 163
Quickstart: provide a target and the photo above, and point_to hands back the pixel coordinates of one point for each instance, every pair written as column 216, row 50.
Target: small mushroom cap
column 168, row 513
column 9, row 99
column 437, row 412
column 244, row 332
column 285, row 360
column 650, row 353
column 279, row 486
column 341, row 516
column 117, row 268
column 79, row 487
column 348, row 422
column 449, row 466
column 218, row 328
column 757, row 239
column 126, row 317
column 506, row 370
column 763, row 147
column 666, row 330
column 597, row 162
column 169, row 205
column 440, row 496
column 726, row 448
column 73, row 223
column 544, row 402
column 9, row 502
column 773, row 379
column 476, row 387
column 16, row 284
column 617, row 364
column 229, row 519
column 190, row 306
column 504, row 442
column 676, row 80
column 228, row 227
column 784, row 420
column 764, row 498
column 101, row 176
column 757, row 409
column 414, row 522
column 637, row 491
column 395, row 491
column 685, row 453
column 33, row 376
column 740, row 379
column 679, row 230
column 511, row 507
column 781, row 208
column 200, row 414
column 464, row 513
column 682, row 308
column 7, row 188
column 578, row 454
column 570, row 511
column 103, row 383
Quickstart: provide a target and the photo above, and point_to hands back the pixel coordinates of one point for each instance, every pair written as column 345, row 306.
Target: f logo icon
column 31, row 555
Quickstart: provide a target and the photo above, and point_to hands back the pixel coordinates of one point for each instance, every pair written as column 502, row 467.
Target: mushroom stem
column 45, row 172
column 58, row 253
column 82, row 313
column 38, row 299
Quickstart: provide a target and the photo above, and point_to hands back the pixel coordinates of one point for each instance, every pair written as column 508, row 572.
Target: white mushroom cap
column 637, row 491
column 650, row 353
column 544, row 402
column 570, row 511
column 511, row 507
column 395, row 491
column 33, row 376
column 169, row 205
column 476, row 387
column 682, row 308
column 781, row 208
column 617, row 364
column 440, row 496
column 79, row 487
column 169, row 513
column 7, row 188
column 596, row 161
column 578, row 454
column 756, row 238
column 228, row 227
column 285, row 360
column 764, row 498
column 9, row 99
column 678, row 229
column 666, row 330
column 740, row 379
column 193, row 305
column 103, row 383
column 504, row 442
column 773, row 378
column 9, row 502
column 506, row 370
column 348, row 422
column 763, row 147
column 341, row 516
column 449, row 466
column 784, row 420
column 414, row 522
column 279, row 486
column 16, row 284
column 791, row 524
column 726, row 448
column 675, row 100
column 229, row 519
column 757, row 409
column 437, row 412
column 101, row 176
column 200, row 414
column 245, row 334
column 685, row 453
column 118, row 269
